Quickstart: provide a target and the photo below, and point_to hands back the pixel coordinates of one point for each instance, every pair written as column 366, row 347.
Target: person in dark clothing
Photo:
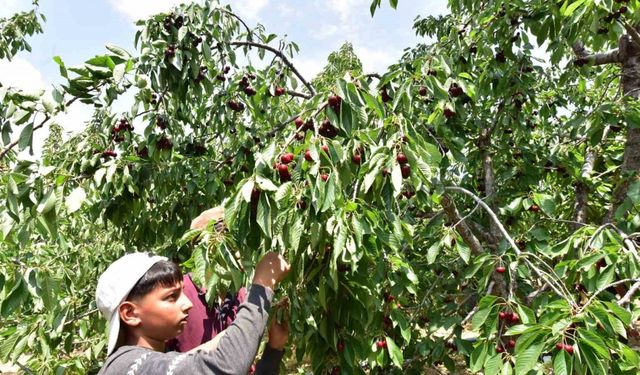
column 142, row 298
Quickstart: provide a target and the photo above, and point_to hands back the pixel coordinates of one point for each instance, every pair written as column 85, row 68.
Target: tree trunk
column 630, row 54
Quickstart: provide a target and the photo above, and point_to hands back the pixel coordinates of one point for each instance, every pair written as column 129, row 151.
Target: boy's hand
column 216, row 213
column 278, row 334
column 271, row 269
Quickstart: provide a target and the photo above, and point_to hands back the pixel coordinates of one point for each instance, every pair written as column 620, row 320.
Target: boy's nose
column 186, row 303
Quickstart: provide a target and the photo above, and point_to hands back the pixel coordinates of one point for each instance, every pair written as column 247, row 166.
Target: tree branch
column 632, row 32
column 465, row 232
column 284, row 59
column 556, row 288
column 590, row 300
column 627, row 297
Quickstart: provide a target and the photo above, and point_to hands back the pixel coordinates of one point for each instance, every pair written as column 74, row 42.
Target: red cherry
column 283, row 168
column 406, row 171
column 334, row 100
column 503, row 315
column 512, row 343
column 324, row 177
column 422, row 91
column 325, row 148
column 559, row 346
column 568, row 348
column 402, row 159
column 286, row 158
column 340, row 346
column 381, row 344
column 514, row 318
column 500, row 269
column 449, row 113
column 279, row 91
column 335, row 370
column 356, row 159
column 534, row 208
column 307, row 156
column 252, row 369
column 385, row 172
column 499, row 349
column 299, row 122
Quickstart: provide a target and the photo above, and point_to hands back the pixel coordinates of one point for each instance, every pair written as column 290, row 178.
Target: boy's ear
column 128, row 312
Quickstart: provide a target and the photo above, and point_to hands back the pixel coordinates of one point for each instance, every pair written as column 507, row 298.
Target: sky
column 77, row 30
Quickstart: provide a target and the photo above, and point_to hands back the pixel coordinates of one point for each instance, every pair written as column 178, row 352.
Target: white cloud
column 10, row 7
column 345, row 8
column 140, row 9
column 308, row 67
column 249, row 9
column 376, row 60
column 19, row 73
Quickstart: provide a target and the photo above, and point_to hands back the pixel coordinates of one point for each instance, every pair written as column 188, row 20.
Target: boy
column 143, row 295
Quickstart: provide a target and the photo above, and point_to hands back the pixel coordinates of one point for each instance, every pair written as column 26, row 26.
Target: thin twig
column 590, row 300
column 284, row 59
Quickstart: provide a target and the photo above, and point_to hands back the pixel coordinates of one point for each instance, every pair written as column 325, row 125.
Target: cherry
column 422, row 91
column 385, row 172
column 334, row 101
column 384, row 95
column 455, row 90
column 449, row 113
column 340, row 346
column 512, row 343
column 286, row 158
column 568, row 348
column 279, row 91
column 432, row 72
column 406, row 171
column 623, row 9
column 503, row 315
column 249, row 91
column 381, row 344
column 299, row 122
column 335, row 370
column 356, row 159
column 534, row 208
column 514, row 318
column 283, row 168
column 324, row 177
column 500, row 269
column 402, row 159
column 500, row 57
column 307, row 156
column 559, row 346
column 301, row 204
column 601, row 263
column 252, row 369
column 255, row 194
column 109, row 153
column 499, row 349
column 325, row 148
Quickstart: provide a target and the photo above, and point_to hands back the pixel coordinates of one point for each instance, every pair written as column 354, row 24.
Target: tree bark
column 630, row 52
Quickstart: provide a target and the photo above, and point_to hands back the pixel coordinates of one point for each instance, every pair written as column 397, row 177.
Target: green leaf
column 394, row 352
column 562, row 363
column 589, row 338
column 464, row 251
column 478, row 357
column 26, row 137
column 47, row 203
column 15, row 298
column 264, row 215
column 526, row 359
column 75, row 199
column 433, row 252
column 493, row 365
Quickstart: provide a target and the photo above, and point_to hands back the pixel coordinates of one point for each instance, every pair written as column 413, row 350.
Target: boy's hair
column 163, row 273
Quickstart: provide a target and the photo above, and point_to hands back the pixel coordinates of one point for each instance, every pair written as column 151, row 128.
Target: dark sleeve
column 234, row 354
column 270, row 361
column 237, row 349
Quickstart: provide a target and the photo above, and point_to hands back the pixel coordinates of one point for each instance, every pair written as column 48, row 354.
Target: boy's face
column 163, row 312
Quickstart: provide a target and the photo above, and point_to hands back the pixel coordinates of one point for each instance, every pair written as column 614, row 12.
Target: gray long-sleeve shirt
column 233, row 355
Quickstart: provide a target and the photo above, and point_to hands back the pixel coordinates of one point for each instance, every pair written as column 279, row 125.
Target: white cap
column 114, row 286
